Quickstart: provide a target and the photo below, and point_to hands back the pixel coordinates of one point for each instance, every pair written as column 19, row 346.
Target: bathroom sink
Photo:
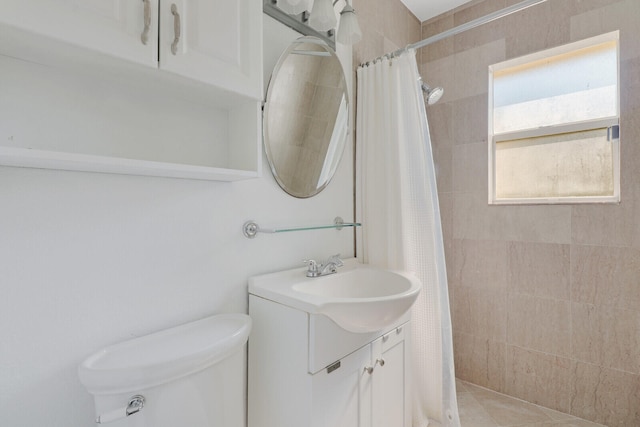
column 359, row 298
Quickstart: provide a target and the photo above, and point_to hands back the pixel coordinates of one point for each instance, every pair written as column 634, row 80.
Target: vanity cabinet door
column 389, row 380
column 341, row 395
column 217, row 42
column 114, row 27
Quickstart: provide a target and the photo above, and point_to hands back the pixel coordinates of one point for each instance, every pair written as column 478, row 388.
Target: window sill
column 558, row 200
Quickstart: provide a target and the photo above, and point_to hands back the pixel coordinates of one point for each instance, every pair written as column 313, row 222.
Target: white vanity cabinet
column 390, row 382
column 304, row 370
column 186, row 78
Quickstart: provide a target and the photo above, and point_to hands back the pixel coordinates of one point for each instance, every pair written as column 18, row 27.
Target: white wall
column 88, row 260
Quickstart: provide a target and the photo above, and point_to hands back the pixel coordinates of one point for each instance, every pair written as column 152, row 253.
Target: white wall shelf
column 41, row 159
column 79, row 97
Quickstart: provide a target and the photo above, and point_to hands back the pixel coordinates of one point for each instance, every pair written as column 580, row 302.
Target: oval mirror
column 306, row 117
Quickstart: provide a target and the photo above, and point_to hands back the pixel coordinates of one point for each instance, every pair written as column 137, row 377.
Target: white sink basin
column 359, row 298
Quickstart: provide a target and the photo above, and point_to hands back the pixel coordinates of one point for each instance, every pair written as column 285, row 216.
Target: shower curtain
column 401, row 221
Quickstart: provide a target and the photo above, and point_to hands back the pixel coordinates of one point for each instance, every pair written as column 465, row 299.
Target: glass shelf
column 250, row 229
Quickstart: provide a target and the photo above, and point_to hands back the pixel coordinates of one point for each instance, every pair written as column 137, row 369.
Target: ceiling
column 427, row 9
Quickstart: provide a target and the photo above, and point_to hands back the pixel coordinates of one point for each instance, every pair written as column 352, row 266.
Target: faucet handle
column 313, row 265
column 335, row 259
column 312, row 271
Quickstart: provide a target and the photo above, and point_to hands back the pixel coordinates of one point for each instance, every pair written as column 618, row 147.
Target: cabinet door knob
column 176, row 29
column 147, row 21
column 369, row 369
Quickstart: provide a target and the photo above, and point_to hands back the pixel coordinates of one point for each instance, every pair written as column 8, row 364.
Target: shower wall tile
column 539, row 378
column 370, row 14
column 630, row 171
column 540, row 324
column 606, row 276
column 629, row 148
column 471, row 69
column 441, row 120
column 539, row 269
column 520, row 27
column 446, row 209
column 621, row 15
column 371, row 46
column 469, row 161
column 414, row 33
column 606, row 396
column 390, row 45
column 477, row 9
column 605, row 224
column 441, row 144
column 607, row 336
column 471, row 122
column 442, row 157
column 481, row 313
column 479, row 361
column 386, row 25
column 435, row 26
column 440, row 73
column 478, row 36
column 483, row 34
column 573, row 7
column 480, row 264
column 475, row 219
column 635, row 242
column 395, row 20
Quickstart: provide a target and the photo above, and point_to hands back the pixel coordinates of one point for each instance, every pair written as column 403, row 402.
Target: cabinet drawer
column 328, row 342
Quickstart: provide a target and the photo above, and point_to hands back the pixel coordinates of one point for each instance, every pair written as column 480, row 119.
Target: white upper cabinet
column 178, row 84
column 114, row 27
column 215, row 42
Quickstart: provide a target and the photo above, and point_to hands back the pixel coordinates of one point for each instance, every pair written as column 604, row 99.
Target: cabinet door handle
column 369, row 369
column 176, row 29
column 147, row 22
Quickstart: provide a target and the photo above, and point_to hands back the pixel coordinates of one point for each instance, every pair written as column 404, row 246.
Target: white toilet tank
column 190, row 375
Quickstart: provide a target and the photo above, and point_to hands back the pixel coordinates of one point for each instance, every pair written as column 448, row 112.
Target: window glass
column 575, row 86
column 573, row 164
column 553, row 125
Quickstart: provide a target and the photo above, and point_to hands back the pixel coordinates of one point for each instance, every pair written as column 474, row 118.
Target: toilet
column 189, row 375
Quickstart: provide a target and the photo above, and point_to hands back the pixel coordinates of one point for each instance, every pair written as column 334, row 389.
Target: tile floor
column 480, row 407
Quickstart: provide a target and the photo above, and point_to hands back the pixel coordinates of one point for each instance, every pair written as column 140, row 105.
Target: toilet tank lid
column 164, row 356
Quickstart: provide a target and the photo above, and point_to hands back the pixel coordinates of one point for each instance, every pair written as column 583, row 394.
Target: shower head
column 432, row 95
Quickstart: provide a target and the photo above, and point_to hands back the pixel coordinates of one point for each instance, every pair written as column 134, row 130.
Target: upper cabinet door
column 114, row 27
column 214, row 41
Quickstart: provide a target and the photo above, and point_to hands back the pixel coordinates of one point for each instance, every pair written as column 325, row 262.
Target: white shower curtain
column 401, row 221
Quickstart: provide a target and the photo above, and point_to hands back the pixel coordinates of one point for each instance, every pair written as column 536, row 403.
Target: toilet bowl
column 189, row 375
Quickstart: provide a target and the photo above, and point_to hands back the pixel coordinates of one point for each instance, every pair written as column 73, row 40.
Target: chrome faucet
column 330, row 266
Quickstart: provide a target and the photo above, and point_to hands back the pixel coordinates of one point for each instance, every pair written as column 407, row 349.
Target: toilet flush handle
column 135, row 405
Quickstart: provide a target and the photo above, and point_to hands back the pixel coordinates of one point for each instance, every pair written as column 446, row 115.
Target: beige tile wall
column 545, row 299
column 386, row 25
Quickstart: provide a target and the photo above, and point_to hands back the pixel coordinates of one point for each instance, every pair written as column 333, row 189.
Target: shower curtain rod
column 461, row 28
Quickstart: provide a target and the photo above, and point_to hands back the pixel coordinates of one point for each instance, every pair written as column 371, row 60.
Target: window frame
column 599, row 123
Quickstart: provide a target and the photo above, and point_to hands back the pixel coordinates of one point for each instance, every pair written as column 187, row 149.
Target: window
column 554, row 125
